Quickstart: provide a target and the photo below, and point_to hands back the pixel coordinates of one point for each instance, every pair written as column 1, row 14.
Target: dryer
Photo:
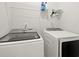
column 61, row 44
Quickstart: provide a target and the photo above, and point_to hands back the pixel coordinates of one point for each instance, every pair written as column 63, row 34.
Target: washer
column 61, row 44
column 21, row 48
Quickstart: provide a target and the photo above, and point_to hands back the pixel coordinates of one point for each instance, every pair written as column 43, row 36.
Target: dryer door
column 69, row 48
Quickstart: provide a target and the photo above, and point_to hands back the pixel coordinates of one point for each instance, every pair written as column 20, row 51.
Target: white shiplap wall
column 4, row 21
column 29, row 13
column 70, row 17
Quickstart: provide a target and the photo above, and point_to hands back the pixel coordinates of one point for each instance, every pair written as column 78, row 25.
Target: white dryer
column 61, row 44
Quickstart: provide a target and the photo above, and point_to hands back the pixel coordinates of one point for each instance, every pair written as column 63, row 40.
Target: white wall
column 4, row 21
column 22, row 13
column 29, row 13
column 70, row 17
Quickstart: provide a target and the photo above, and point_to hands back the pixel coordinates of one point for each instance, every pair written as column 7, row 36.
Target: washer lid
column 62, row 34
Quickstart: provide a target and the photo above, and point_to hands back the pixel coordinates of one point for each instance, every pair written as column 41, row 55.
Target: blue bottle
column 42, row 6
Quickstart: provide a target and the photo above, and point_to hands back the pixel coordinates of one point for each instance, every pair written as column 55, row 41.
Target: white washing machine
column 25, row 46
column 61, row 44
